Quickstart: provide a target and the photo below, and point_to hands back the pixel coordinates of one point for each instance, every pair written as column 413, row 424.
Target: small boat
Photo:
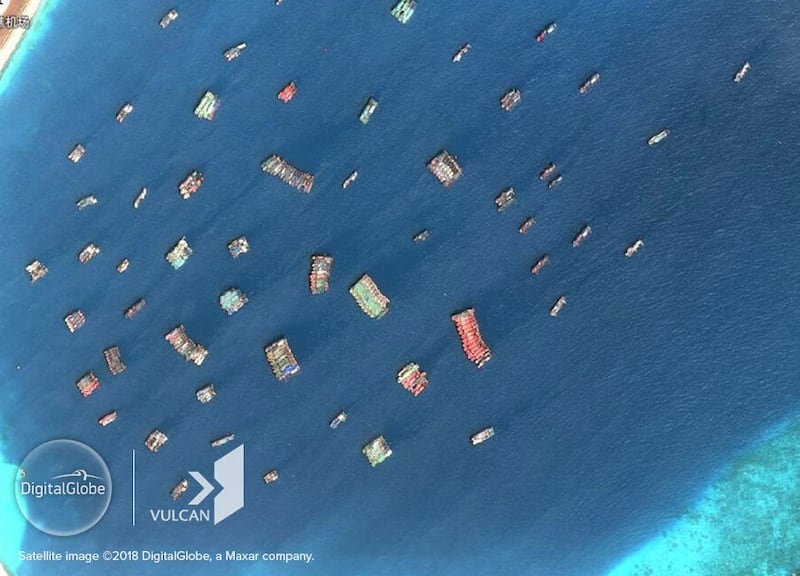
column 140, row 198
column 634, row 248
column 540, row 263
column 89, row 251
column 168, row 18
column 510, row 99
column 546, row 31
column 554, row 311
column 205, row 394
column 107, row 419
column 287, row 93
column 505, row 199
column 421, row 236
column 234, row 52
column 222, row 440
column 555, row 182
column 86, row 201
column 547, row 171
column 482, row 436
column 590, row 83
column 179, row 489
column 270, row 476
column 742, row 72
column 585, row 232
column 123, row 112
column 461, row 52
column 656, row 138
column 350, row 179
column 122, row 266
column 368, row 110
column 527, row 224
column 338, row 419
column 77, row 153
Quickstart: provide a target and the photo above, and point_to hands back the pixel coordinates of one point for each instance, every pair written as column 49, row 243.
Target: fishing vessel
column 656, row 138
column 36, row 270
column 369, row 298
column 555, row 182
column 123, row 265
column 377, row 450
column 547, row 171
column 232, row 300
column 238, row 246
column 320, row 273
column 185, row 346
column 278, row 167
column 546, row 31
column 168, row 18
column 556, row 308
column 179, row 254
column 461, row 52
column 190, row 184
column 208, row 106
column 510, row 99
column 155, row 440
column 350, row 179
column 114, row 360
column 634, row 248
column 404, row 10
column 287, row 92
column 412, row 378
column 222, row 440
column 234, row 52
column 89, row 251
column 134, row 308
column 421, row 236
column 505, row 199
column 472, row 342
column 590, row 83
column 140, row 198
column 270, row 476
column 585, row 232
column 74, row 320
column 108, row 418
column 482, row 436
column 338, row 419
column 86, row 201
column 123, row 112
column 179, row 489
column 205, row 394
column 77, row 153
column 87, row 384
column 445, row 167
column 742, row 72
column 540, row 263
column 527, row 224
column 368, row 110
column 281, row 359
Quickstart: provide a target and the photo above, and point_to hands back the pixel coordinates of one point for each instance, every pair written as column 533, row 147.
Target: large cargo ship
column 634, row 248
column 234, row 52
column 123, row 265
column 86, row 201
column 555, row 182
column 368, row 110
column 168, row 18
column 270, row 477
column 222, row 440
column 36, row 270
column 510, row 99
column 559, row 304
column 179, row 254
column 590, row 83
column 320, row 273
column 338, row 419
column 155, row 440
column 472, row 342
column 179, row 489
column 546, row 31
column 404, row 10
column 377, row 450
column 287, row 92
column 585, row 232
column 412, row 378
column 205, row 394
column 742, row 72
column 123, row 112
column 540, row 263
column 461, row 52
column 547, row 171
column 350, row 179
column 107, row 418
column 445, row 168
column 482, row 436
column 656, row 138
column 190, row 184
column 527, row 224
column 89, row 251
column 278, row 167
column 232, row 300
column 208, row 106
column 74, row 320
column 87, row 384
column 185, row 346
column 281, row 359
column 505, row 199
column 77, row 153
column 140, row 198
column 369, row 298
column 238, row 246
column 134, row 308
column 114, row 360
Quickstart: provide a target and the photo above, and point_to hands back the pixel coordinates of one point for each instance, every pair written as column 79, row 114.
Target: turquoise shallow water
column 611, row 421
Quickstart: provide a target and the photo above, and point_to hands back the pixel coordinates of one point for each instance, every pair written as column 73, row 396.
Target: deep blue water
column 610, row 420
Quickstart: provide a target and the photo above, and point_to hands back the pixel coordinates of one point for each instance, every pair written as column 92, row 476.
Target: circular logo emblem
column 63, row 487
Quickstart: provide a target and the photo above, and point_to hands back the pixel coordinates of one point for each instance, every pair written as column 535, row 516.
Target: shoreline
column 11, row 38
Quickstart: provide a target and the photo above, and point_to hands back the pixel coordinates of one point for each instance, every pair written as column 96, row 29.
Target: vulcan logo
column 229, row 474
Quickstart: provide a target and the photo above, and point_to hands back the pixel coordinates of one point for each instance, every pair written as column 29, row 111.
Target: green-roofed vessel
column 369, row 298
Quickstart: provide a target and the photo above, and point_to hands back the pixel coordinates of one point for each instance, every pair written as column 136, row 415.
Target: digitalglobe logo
column 63, row 488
